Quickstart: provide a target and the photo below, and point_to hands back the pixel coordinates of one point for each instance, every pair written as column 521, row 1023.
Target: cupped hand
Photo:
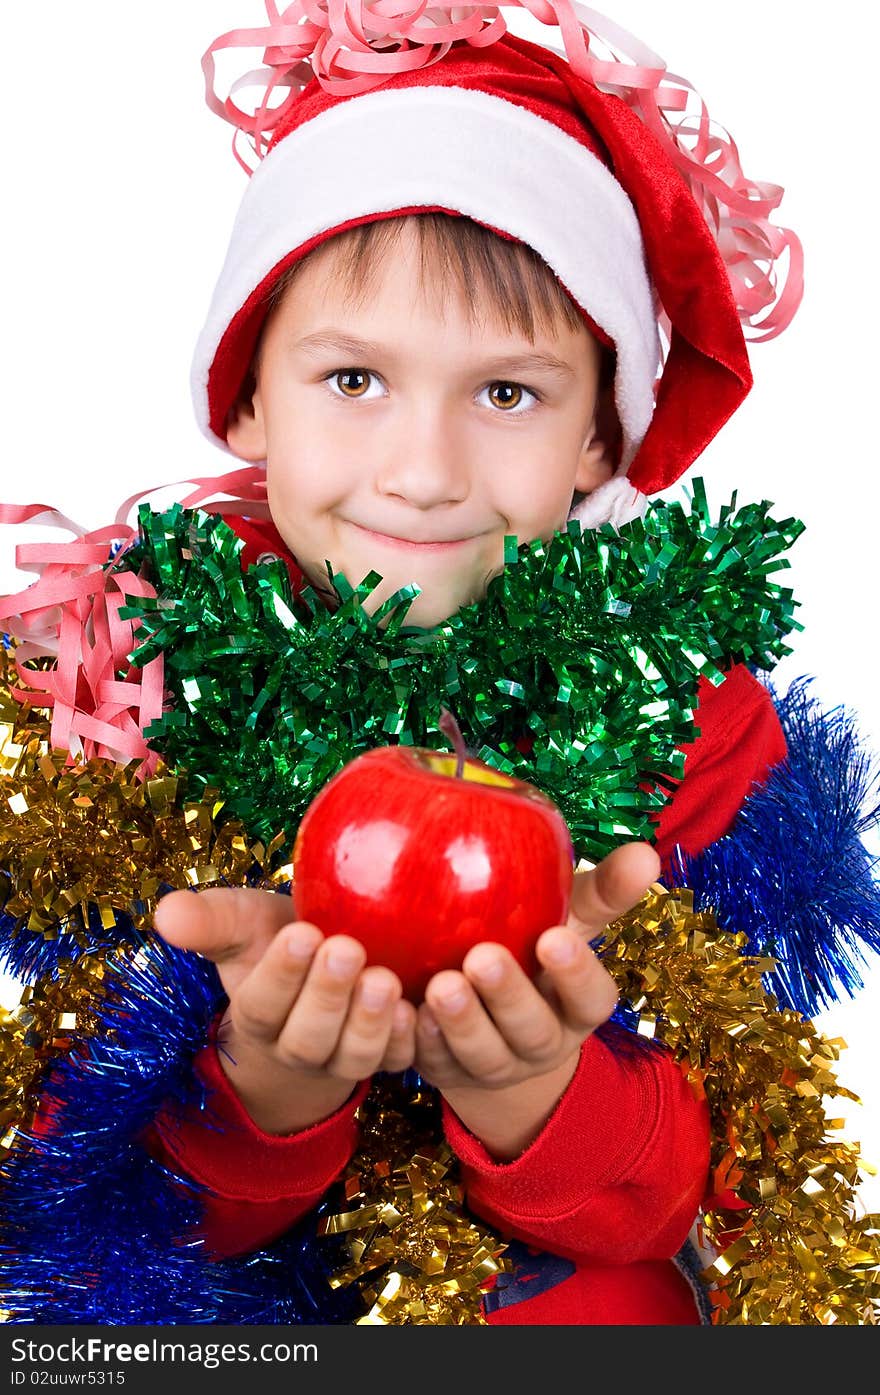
column 306, row 1019
column 490, row 1026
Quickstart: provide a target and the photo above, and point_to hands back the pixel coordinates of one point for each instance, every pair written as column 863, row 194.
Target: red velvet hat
column 594, row 163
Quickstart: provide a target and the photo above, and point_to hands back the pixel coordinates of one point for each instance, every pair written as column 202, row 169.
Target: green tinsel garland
column 591, row 644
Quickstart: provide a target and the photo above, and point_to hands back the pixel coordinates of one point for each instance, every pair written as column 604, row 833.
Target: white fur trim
column 481, row 155
column 616, row 501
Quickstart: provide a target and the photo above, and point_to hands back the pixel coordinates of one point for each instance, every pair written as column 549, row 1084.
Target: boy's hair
column 491, row 272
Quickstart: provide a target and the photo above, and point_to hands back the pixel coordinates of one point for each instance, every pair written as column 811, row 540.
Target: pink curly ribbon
column 101, row 704
column 352, row 46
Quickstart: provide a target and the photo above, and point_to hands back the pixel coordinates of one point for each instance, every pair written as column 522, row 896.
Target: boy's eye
column 509, row 397
column 352, row 382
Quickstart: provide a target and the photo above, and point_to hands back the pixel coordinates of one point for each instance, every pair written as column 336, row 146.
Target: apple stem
column 449, row 726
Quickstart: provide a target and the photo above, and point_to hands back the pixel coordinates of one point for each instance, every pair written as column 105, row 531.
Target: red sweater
column 605, row 1196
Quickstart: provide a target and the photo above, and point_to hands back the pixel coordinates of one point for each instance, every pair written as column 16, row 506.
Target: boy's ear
column 600, row 453
column 245, row 429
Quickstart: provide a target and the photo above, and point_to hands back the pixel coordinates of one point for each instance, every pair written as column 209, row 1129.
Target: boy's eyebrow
column 337, row 341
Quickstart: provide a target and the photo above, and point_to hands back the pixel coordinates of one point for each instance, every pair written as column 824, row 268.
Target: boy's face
column 403, row 438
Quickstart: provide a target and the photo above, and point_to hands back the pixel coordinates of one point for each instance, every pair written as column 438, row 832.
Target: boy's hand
column 502, row 1048
column 306, row 1021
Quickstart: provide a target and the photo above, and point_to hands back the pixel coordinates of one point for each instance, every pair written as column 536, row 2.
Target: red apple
column 421, row 854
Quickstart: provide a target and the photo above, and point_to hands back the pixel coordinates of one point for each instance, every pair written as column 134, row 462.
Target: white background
column 119, row 191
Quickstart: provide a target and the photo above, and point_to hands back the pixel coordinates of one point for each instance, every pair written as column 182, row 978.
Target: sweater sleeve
column 619, row 1170
column 737, row 742
column 255, row 1184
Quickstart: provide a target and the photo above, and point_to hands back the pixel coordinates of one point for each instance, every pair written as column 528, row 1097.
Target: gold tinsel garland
column 51, row 1013
column 417, row 1256
column 799, row 1254
column 76, row 836
column 89, row 835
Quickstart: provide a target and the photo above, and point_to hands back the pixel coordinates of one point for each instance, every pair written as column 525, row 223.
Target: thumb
column 612, row 887
column 232, row 926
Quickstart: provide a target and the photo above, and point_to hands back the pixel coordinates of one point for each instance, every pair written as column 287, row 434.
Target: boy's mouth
column 432, row 545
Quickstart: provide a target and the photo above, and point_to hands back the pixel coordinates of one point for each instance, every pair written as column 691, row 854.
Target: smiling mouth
column 408, row 543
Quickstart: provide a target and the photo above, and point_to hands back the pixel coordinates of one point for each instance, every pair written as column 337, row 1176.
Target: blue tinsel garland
column 793, row 872
column 94, row 1230
column 28, row 957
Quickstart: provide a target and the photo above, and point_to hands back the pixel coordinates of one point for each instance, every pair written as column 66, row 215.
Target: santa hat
column 640, row 209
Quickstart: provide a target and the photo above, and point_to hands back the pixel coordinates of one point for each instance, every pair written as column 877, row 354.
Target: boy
column 422, row 439
column 435, row 464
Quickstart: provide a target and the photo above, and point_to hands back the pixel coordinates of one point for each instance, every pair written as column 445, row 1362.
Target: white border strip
column 481, row 155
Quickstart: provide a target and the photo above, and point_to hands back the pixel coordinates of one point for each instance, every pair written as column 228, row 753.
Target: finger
column 225, row 922
column 434, row 1060
column 470, row 1034
column 401, row 1048
column 367, row 1028
column 312, row 1030
column 586, row 993
column 522, row 1015
column 264, row 998
column 614, row 886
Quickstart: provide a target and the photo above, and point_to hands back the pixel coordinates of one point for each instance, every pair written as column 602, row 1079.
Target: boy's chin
column 430, row 608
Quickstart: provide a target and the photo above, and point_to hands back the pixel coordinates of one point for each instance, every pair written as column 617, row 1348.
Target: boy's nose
column 424, row 460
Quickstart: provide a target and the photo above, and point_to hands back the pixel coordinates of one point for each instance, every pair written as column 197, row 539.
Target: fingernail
column 401, row 1018
column 453, row 1002
column 300, row 948
column 375, row 995
column 561, row 952
column 489, row 971
column 431, row 1025
column 342, row 961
